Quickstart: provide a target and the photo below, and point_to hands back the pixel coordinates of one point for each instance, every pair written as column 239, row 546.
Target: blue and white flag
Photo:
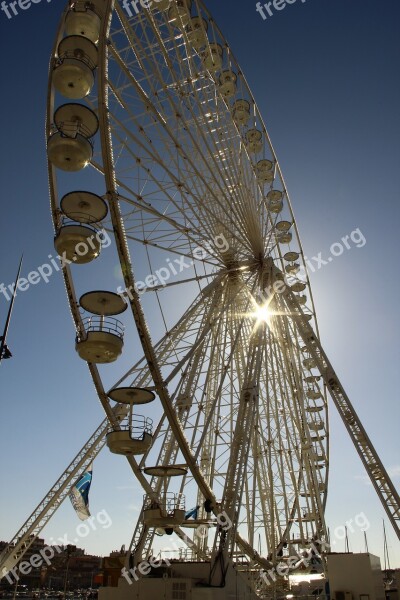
column 192, row 513
column 79, row 494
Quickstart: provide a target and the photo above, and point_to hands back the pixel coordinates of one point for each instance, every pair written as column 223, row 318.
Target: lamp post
column 15, row 589
column 69, row 550
column 4, row 350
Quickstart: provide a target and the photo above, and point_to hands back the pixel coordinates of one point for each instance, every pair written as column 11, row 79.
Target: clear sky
column 325, row 74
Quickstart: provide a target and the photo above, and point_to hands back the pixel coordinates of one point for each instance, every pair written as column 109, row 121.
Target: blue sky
column 325, row 76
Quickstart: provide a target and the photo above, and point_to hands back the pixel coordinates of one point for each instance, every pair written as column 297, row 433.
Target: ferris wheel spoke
column 154, row 154
column 214, row 199
column 203, row 234
column 312, row 492
column 199, row 102
column 169, row 344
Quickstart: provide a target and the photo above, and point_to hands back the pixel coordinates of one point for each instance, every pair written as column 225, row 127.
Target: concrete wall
column 183, row 587
column 359, row 574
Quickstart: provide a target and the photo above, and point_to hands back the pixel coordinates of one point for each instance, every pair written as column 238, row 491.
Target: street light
column 4, row 349
column 69, row 550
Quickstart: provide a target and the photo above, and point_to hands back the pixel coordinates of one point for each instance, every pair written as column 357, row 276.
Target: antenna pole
column 385, row 547
column 366, row 541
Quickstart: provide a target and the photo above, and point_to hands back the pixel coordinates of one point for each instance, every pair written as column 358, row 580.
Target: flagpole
column 7, row 324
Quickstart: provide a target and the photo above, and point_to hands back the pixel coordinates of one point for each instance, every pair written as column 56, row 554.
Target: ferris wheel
column 155, row 142
column 190, row 177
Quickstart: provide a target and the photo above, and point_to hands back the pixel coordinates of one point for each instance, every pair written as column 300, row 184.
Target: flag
column 192, row 513
column 79, row 494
